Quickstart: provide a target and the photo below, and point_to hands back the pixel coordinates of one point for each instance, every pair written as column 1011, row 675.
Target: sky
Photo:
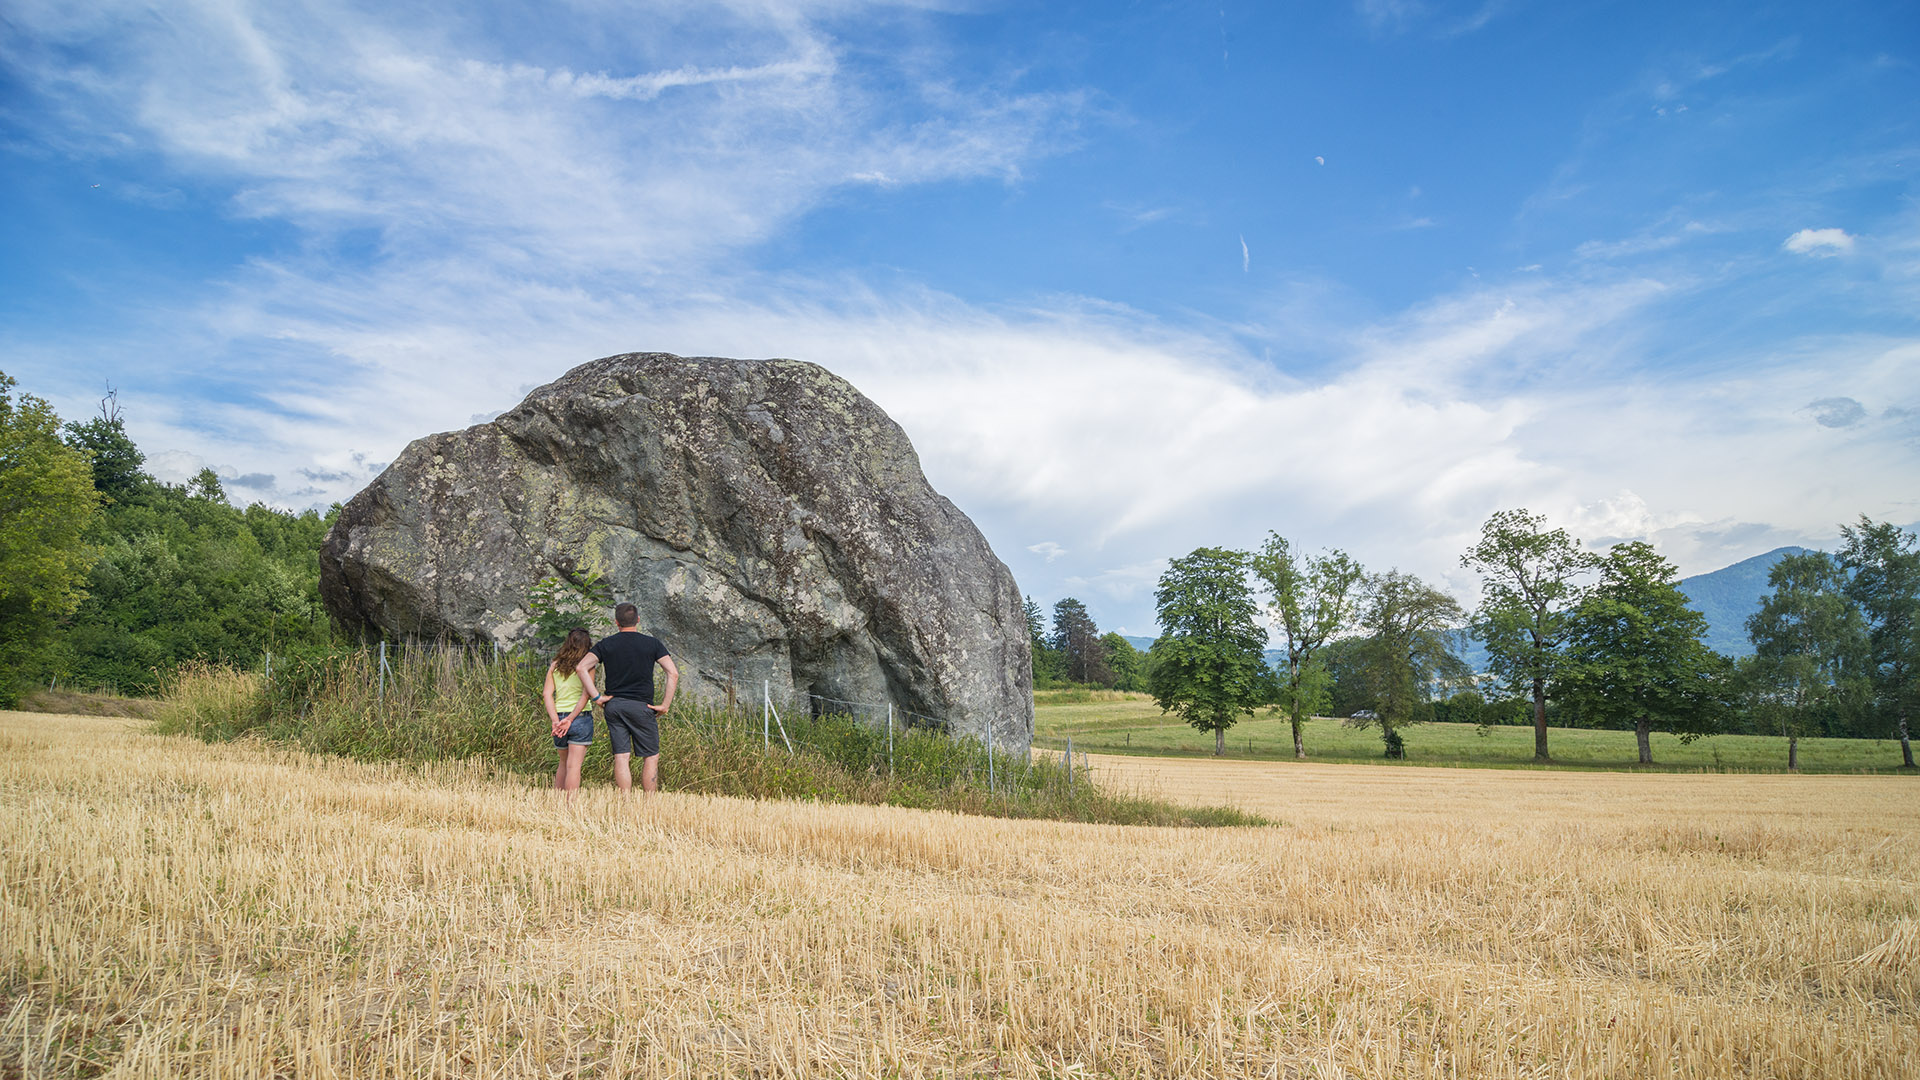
column 1134, row 278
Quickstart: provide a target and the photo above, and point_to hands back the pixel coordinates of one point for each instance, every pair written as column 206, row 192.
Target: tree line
column 1581, row 638
column 110, row 579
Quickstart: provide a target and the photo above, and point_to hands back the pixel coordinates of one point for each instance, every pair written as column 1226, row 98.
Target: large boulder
column 771, row 524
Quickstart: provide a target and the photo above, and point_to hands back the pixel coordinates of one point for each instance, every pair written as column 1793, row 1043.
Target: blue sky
column 1136, row 278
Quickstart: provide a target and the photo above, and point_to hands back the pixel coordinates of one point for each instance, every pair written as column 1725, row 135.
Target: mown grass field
column 1132, row 724
column 173, row 908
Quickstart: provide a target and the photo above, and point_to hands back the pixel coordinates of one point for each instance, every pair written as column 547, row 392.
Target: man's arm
column 673, row 683
column 585, row 670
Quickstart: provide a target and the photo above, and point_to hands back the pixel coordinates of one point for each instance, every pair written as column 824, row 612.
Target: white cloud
column 1047, row 550
column 1820, row 243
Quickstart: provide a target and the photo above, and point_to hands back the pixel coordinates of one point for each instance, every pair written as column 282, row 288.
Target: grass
column 451, row 704
column 79, row 703
column 1108, row 722
column 176, row 908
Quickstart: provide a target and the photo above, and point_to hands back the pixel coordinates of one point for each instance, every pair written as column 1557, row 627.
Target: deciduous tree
column 47, row 505
column 1809, row 668
column 1209, row 664
column 1313, row 598
column 1409, row 649
column 1125, row 661
column 1884, row 581
column 1531, row 585
column 1634, row 655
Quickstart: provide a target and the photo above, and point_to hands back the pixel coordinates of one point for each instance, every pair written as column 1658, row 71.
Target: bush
column 450, row 702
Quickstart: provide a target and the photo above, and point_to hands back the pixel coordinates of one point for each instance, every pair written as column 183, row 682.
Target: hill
column 1727, row 596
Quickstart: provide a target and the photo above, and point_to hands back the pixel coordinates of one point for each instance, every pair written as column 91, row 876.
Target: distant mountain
column 1729, row 595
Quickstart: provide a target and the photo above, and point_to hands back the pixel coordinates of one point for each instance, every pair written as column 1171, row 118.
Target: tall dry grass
column 438, row 704
column 173, row 908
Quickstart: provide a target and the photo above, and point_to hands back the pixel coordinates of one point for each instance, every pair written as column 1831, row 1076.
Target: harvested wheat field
column 180, row 909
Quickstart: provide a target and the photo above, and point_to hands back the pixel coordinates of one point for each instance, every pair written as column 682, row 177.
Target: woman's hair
column 571, row 650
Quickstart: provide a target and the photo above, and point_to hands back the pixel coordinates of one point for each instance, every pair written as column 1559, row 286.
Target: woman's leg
column 570, row 761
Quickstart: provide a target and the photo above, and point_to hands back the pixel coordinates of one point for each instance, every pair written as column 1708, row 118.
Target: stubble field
column 171, row 908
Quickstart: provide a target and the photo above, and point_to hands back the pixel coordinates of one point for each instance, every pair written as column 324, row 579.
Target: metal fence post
column 1069, row 764
column 889, row 738
column 382, row 693
column 766, row 715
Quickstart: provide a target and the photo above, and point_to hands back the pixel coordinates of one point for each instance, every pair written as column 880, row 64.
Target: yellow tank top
column 567, row 691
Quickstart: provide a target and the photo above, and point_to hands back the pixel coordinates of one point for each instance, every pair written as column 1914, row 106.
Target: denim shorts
column 580, row 734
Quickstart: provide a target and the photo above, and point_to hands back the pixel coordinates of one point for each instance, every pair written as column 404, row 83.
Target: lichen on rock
column 771, row 524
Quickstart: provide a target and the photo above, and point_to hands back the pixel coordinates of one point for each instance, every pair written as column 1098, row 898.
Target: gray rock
column 769, row 521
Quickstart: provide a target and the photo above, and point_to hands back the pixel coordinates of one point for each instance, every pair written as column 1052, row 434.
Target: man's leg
column 622, row 775
column 650, row 774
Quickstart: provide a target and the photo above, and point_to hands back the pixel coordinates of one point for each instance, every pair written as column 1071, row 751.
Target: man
column 633, row 720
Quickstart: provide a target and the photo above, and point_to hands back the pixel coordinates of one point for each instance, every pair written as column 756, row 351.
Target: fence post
column 889, row 738
column 381, row 695
column 766, row 715
column 1069, row 764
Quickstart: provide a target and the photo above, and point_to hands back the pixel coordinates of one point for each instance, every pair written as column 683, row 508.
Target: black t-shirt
column 626, row 664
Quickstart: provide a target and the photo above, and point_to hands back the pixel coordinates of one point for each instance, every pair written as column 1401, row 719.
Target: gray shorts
column 633, row 727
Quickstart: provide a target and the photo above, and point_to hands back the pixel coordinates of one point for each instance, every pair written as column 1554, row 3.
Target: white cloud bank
column 532, row 216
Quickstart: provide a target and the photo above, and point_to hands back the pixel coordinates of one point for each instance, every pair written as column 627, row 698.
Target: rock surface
column 769, row 521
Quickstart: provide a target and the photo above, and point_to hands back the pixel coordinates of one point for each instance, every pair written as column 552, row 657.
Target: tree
column 1209, row 664
column 1314, row 599
column 116, row 461
column 1810, row 662
column 1125, row 661
column 1047, row 666
column 1078, row 641
column 1529, row 591
column 1634, row 654
column 47, row 505
column 206, row 485
column 1885, row 582
column 1408, row 652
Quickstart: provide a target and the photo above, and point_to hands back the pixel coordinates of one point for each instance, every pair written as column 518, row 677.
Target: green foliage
column 1809, row 671
column 444, row 702
column 1530, row 588
column 1128, row 664
column 1884, row 580
column 47, row 507
column 1634, row 654
column 558, row 605
column 1408, row 650
column 1049, row 667
column 1314, row 599
column 116, row 461
column 1209, row 664
column 1077, row 640
column 184, row 577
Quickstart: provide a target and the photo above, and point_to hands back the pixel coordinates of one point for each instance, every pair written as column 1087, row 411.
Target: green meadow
column 1109, row 722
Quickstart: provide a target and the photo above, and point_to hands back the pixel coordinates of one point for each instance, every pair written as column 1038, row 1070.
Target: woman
column 573, row 733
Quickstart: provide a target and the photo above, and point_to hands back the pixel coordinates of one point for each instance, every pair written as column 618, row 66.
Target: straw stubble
column 177, row 908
